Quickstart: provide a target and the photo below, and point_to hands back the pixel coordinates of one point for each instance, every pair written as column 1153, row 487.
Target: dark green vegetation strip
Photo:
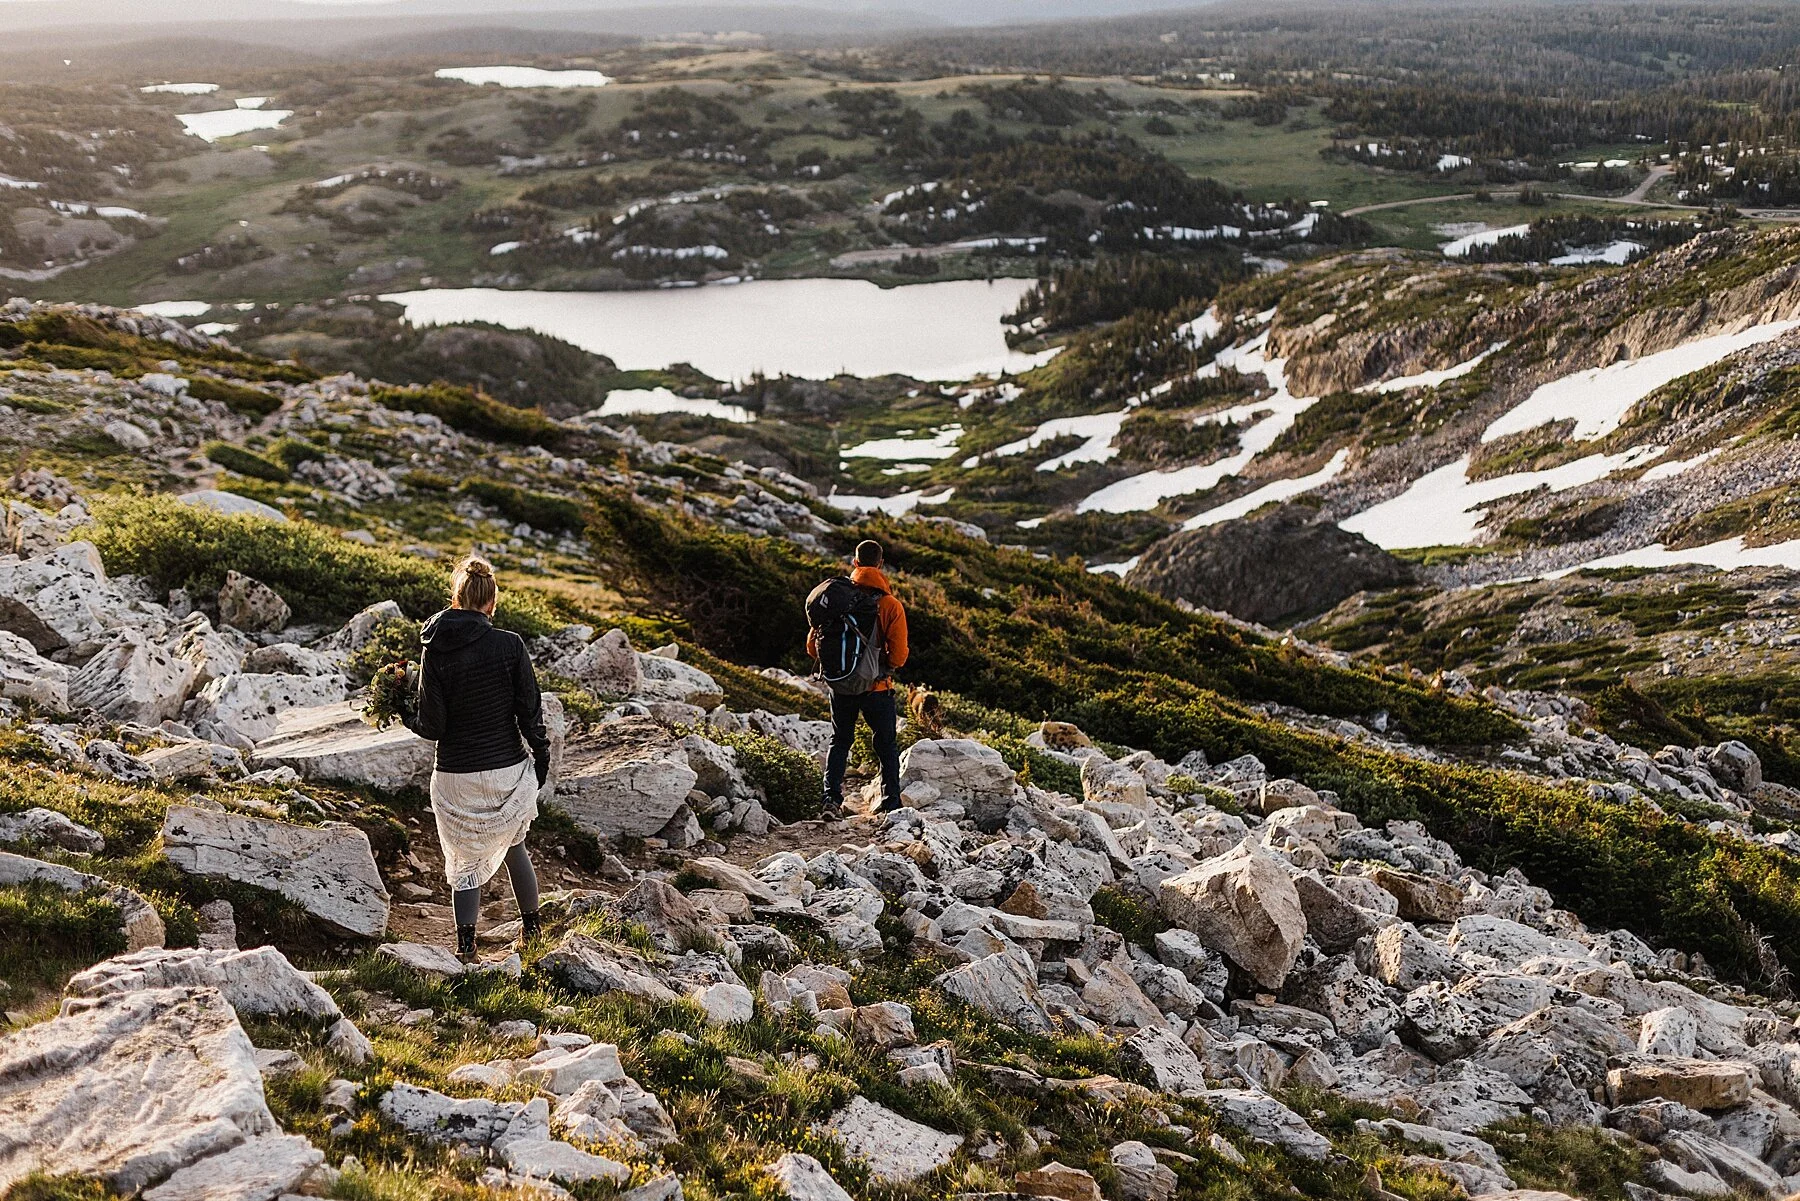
column 320, row 575
column 471, row 412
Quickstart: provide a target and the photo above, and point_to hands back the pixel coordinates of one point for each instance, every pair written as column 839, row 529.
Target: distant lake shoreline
column 813, row 328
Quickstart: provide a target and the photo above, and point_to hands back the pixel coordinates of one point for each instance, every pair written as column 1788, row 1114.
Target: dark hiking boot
column 465, row 943
column 531, row 925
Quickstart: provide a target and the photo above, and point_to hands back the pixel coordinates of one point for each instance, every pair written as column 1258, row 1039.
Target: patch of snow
column 1445, row 507
column 1458, row 247
column 76, row 208
column 525, row 77
column 1098, row 428
column 1202, row 328
column 1728, row 555
column 7, row 181
column 251, row 101
column 1275, row 490
column 629, row 401
column 1431, row 379
column 1450, row 162
column 940, row 445
column 230, row 122
column 892, row 506
column 175, row 308
column 504, row 247
column 1030, row 523
column 1675, row 467
column 181, row 89
column 1615, row 253
column 213, row 329
column 1599, row 397
column 1118, row 569
column 336, row 181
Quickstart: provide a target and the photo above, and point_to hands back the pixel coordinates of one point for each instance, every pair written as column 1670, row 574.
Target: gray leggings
column 467, row 901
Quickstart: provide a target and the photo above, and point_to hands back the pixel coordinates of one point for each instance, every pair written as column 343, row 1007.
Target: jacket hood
column 870, row 577
column 452, row 629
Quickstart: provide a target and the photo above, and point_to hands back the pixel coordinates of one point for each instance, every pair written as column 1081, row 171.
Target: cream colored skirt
column 480, row 816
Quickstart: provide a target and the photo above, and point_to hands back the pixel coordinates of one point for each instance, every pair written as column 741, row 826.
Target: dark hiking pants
column 877, row 708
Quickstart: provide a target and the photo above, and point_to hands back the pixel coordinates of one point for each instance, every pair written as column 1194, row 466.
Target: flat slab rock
column 1263, row 1117
column 332, row 743
column 129, row 1088
column 258, row 981
column 327, row 870
column 259, row 1169
column 896, row 1149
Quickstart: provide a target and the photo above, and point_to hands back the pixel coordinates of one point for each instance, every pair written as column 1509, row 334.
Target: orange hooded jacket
column 890, row 626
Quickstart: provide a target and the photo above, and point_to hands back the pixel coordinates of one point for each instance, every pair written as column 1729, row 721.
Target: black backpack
column 846, row 619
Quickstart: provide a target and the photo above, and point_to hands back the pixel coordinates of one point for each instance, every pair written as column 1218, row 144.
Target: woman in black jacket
column 478, row 700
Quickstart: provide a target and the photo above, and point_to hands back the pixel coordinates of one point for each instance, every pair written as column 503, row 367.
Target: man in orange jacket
column 875, row 706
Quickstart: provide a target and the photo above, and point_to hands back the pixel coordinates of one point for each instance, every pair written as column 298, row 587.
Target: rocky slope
column 1259, row 919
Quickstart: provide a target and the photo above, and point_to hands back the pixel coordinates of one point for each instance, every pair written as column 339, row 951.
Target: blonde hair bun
column 473, row 587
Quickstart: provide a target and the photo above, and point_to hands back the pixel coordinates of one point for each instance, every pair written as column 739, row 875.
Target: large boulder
column 1703, row 1084
column 26, row 675
column 271, row 1166
column 588, row 965
column 966, row 772
column 244, row 708
column 61, row 600
column 251, row 605
column 327, row 870
column 1000, row 986
column 1242, row 904
column 607, row 666
column 1262, row 1116
column 662, row 678
column 623, row 778
column 133, row 677
column 129, row 1088
column 139, row 922
column 896, row 1149
column 332, row 744
column 1272, row 567
column 1170, row 1062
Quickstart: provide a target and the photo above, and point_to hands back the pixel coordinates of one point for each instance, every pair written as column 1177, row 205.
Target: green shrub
column 1579, row 1160
column 1133, row 920
column 791, row 783
column 471, row 412
column 40, row 1186
column 244, row 462
column 320, row 575
column 540, row 510
column 251, row 402
column 291, row 452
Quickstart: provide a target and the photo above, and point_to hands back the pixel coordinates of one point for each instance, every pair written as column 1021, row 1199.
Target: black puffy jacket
column 478, row 695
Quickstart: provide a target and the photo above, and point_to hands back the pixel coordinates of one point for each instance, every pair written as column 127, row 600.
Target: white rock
column 26, row 675
column 1262, row 1116
column 1670, row 1031
column 327, row 870
column 427, row 959
column 60, row 600
column 259, row 981
column 964, row 771
column 251, row 605
column 133, row 677
column 896, row 1149
column 1113, row 791
column 725, row 1003
column 259, row 1169
column 348, row 1043
column 551, row 1159
column 1243, row 904
column 129, row 1088
column 1403, row 958
column 665, row 679
column 332, row 743
column 563, row 1074
column 139, row 922
column 49, row 828
column 249, row 706
column 804, row 1178
column 623, row 778
column 1171, row 1063
column 607, row 666
column 1001, row 987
